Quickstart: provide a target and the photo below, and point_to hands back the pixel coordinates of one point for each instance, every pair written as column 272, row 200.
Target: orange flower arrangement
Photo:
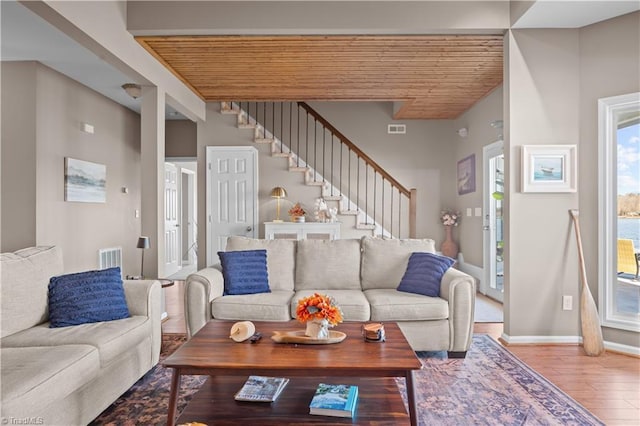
column 319, row 306
column 296, row 210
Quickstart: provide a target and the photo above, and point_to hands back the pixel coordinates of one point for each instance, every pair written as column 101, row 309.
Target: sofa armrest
column 459, row 289
column 200, row 289
column 144, row 299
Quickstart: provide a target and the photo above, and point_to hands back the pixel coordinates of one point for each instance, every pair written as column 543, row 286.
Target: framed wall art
column 84, row 181
column 549, row 168
column 467, row 175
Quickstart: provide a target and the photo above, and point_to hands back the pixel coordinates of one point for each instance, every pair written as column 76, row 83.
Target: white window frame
column 608, row 110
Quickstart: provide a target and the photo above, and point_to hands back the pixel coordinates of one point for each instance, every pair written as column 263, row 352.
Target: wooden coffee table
column 211, row 352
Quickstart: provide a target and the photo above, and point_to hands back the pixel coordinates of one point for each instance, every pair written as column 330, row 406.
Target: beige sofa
column 69, row 375
column 362, row 275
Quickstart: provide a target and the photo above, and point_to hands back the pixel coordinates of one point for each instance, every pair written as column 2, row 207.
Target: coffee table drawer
column 379, row 402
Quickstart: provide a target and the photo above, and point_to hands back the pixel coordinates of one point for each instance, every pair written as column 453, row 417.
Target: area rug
column 489, row 387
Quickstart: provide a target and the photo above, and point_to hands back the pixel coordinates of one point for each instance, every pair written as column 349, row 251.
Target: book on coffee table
column 261, row 389
column 334, row 400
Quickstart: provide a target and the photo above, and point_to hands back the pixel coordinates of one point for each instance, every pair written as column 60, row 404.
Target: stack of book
column 261, row 389
column 334, row 400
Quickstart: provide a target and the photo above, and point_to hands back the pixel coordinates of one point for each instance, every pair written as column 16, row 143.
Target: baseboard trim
column 622, row 349
column 567, row 340
column 540, row 340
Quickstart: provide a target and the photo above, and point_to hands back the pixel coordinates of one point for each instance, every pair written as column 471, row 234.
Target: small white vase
column 317, row 329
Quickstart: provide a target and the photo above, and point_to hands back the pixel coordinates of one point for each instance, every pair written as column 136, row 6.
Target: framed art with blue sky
column 549, row 168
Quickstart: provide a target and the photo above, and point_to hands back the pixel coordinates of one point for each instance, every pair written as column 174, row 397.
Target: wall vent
column 110, row 258
column 397, row 129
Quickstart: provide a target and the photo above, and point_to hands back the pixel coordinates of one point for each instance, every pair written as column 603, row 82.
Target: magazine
column 261, row 389
column 334, row 400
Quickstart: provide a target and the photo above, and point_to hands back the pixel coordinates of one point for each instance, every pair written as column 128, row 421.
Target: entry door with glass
column 493, row 194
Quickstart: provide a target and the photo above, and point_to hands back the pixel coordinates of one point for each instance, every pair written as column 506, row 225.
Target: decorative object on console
column 277, row 193
column 467, row 175
column 143, row 244
column 319, row 312
column 87, row 297
column 449, row 218
column 321, row 211
column 297, row 213
column 242, row 330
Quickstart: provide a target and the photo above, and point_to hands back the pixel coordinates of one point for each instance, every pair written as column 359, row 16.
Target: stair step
column 230, row 111
column 281, row 154
column 332, row 197
column 298, row 169
column 349, row 212
column 365, row 226
column 246, row 126
column 264, row 140
column 314, row 183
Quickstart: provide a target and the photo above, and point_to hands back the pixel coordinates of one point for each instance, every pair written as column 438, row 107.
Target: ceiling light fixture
column 134, row 90
column 463, row 132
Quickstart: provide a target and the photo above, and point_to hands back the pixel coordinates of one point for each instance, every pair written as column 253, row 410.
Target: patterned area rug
column 489, row 387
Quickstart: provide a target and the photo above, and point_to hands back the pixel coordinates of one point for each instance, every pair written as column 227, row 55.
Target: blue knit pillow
column 245, row 272
column 85, row 297
column 424, row 273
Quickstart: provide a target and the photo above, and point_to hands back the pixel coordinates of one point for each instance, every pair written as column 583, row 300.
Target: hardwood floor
column 608, row 385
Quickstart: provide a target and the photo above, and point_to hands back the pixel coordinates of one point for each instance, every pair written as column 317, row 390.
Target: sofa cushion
column 34, row 377
column 328, row 264
column 86, row 297
column 353, row 304
column 384, row 261
column 111, row 338
column 24, row 276
column 424, row 273
column 272, row 306
column 394, row 305
column 280, row 259
column 245, row 272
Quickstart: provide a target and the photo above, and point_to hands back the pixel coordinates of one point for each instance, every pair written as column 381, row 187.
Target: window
column 619, row 199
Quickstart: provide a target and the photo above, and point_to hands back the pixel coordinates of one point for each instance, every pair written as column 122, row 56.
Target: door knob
column 249, row 229
column 485, row 228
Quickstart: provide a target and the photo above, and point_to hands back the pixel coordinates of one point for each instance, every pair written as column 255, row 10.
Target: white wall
column 60, row 106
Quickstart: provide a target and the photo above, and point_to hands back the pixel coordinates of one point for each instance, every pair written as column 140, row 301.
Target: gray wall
column 181, row 138
column 18, row 227
column 477, row 120
column 59, row 107
column 609, row 66
column 553, row 80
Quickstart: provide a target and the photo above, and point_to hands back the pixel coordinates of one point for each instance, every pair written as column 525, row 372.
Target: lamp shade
column 143, row 243
column 278, row 192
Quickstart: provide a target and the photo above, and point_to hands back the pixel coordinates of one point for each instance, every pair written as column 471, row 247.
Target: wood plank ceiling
column 435, row 76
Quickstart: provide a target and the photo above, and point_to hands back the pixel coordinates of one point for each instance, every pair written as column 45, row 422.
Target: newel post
column 412, row 213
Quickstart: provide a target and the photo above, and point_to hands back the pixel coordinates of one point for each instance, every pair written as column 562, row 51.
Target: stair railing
column 388, row 207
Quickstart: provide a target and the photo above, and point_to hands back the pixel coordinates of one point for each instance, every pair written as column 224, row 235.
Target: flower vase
column 317, row 329
column 449, row 247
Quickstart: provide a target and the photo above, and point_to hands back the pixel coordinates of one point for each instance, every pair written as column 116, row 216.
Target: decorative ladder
column 329, row 160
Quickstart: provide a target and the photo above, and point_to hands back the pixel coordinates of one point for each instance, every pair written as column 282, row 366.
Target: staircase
column 345, row 175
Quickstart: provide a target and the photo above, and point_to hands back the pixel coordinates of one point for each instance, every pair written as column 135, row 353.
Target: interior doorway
column 186, row 216
column 493, row 235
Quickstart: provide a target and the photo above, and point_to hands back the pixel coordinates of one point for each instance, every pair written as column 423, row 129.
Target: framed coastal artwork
column 549, row 168
column 467, row 175
column 84, row 181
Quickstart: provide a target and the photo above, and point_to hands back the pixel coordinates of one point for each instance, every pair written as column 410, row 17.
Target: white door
column 493, row 235
column 232, row 196
column 171, row 221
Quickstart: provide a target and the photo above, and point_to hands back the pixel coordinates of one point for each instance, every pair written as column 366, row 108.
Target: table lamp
column 277, row 193
column 143, row 243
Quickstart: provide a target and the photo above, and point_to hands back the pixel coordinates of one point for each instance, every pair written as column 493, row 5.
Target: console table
column 302, row 230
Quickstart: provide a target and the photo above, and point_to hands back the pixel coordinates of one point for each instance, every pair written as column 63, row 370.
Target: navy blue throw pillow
column 245, row 272
column 424, row 273
column 86, row 297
